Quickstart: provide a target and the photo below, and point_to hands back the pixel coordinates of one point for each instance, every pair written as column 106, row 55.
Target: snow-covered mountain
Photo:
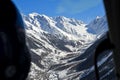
column 63, row 48
column 62, row 27
column 98, row 26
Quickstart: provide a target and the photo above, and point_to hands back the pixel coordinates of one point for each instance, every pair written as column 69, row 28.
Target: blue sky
column 85, row 10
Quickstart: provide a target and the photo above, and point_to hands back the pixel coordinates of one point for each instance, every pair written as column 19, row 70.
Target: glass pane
column 62, row 37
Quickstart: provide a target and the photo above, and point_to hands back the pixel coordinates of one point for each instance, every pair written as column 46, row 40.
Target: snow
column 41, row 28
column 53, row 76
column 38, row 51
column 104, row 59
column 62, row 73
column 98, row 26
column 91, row 69
column 107, row 73
column 61, row 26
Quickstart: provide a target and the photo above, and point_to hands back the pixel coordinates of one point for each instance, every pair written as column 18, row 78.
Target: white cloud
column 60, row 9
column 76, row 6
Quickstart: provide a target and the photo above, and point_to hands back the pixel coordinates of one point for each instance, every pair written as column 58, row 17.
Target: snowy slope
column 98, row 26
column 63, row 48
column 61, row 27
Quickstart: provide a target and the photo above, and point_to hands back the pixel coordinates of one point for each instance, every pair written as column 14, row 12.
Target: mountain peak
column 98, row 26
column 33, row 14
column 36, row 15
column 60, row 26
column 98, row 17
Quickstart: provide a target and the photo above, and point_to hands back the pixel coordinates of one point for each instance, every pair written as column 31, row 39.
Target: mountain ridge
column 63, row 48
column 59, row 26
